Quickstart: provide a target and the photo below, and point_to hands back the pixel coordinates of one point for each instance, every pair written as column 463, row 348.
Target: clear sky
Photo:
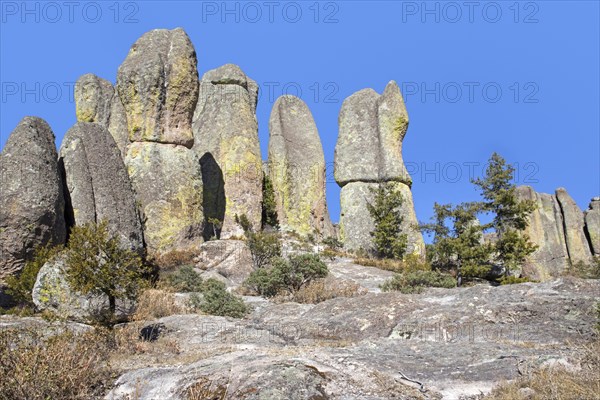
column 519, row 78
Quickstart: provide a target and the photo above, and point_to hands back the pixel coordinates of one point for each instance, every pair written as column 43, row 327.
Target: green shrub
column 416, row 281
column 264, row 282
column 20, row 286
column 185, row 279
column 244, row 222
column 264, row 247
column 333, row 243
column 98, row 264
column 269, row 208
column 388, row 239
column 287, row 275
column 216, row 300
column 511, row 280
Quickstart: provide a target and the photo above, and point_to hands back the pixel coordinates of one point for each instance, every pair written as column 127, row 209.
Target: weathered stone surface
column 97, row 101
column 456, row 342
column 546, row 230
column 229, row 261
column 158, row 86
column 31, row 195
column 592, row 225
column 97, row 183
column 297, row 168
column 52, row 293
column 368, row 151
column 167, row 181
column 357, row 155
column 226, row 140
column 93, row 98
column 356, row 222
column 372, row 128
column 578, row 246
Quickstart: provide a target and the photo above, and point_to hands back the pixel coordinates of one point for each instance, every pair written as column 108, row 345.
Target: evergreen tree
column 269, row 209
column 98, row 264
column 510, row 213
column 388, row 240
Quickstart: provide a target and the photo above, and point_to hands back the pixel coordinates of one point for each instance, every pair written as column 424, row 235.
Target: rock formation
column 592, row 225
column 297, row 168
column 546, row 230
column 158, row 88
column 226, row 141
column 98, row 187
column 97, row 101
column 557, row 228
column 578, row 245
column 31, row 195
column 369, row 151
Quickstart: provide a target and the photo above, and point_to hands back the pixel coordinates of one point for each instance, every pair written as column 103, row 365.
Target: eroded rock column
column 297, row 169
column 369, row 152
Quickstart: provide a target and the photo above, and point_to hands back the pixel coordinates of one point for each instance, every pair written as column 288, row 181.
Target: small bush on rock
column 416, row 281
column 185, row 279
column 20, row 286
column 98, row 264
column 216, row 300
column 287, row 275
column 511, row 280
column 264, row 247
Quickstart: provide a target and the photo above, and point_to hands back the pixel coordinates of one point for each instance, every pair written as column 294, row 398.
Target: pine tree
column 388, row 239
column 510, row 213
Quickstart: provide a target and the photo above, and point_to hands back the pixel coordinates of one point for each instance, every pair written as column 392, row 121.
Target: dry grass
column 323, row 289
column 65, row 366
column 174, row 259
column 156, row 303
column 205, row 389
column 410, row 263
column 556, row 382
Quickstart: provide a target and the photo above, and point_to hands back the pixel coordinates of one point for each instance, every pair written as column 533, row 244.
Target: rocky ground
column 441, row 344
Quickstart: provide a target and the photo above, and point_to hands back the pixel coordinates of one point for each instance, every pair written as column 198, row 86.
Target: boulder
column 53, row 293
column 167, row 181
column 356, row 223
column 546, row 230
column 372, row 128
column 297, row 169
column 97, row 101
column 31, row 195
column 98, row 187
column 158, row 86
column 592, row 225
column 578, row 245
column 226, row 140
column 229, row 261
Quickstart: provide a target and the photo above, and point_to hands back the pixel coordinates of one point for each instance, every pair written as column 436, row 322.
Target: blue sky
column 519, row 78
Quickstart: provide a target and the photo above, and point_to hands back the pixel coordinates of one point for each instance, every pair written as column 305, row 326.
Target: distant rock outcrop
column 369, row 151
column 577, row 244
column 226, row 140
column 158, row 87
column 31, row 195
column 557, row 228
column 592, row 225
column 297, row 169
column 98, row 187
column 97, row 101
